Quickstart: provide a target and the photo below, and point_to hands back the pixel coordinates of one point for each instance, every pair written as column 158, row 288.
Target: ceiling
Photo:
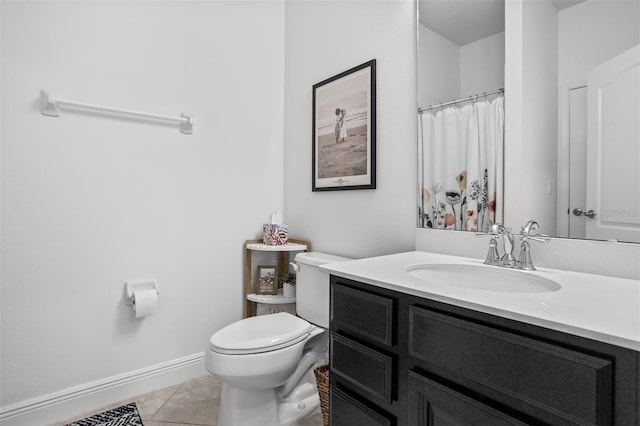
column 465, row 21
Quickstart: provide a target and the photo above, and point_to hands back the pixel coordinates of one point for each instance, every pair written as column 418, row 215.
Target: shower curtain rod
column 460, row 100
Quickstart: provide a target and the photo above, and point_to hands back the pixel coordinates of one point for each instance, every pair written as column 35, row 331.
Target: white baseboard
column 71, row 402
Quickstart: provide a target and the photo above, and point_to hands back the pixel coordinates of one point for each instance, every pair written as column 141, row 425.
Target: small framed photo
column 267, row 280
column 344, row 130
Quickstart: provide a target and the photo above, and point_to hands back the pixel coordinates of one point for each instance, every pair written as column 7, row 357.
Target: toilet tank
column 312, row 287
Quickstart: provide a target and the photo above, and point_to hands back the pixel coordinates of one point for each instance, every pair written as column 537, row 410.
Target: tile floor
column 192, row 403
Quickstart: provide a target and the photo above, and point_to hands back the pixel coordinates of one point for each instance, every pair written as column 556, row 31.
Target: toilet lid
column 260, row 334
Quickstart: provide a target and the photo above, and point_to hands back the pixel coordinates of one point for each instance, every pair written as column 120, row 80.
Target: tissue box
column 274, row 234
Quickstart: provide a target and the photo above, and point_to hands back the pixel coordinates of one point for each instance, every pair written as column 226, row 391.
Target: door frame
column 562, row 212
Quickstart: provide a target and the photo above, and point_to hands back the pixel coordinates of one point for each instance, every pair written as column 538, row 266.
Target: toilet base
column 250, row 407
column 245, row 407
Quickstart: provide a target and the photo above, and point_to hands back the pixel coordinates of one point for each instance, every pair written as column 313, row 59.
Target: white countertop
column 597, row 307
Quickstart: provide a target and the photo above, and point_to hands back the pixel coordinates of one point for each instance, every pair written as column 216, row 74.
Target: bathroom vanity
column 409, row 351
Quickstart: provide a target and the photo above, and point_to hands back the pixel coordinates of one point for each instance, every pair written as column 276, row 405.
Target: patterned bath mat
column 126, row 415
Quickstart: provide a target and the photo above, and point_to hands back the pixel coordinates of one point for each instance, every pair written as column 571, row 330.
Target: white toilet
column 266, row 362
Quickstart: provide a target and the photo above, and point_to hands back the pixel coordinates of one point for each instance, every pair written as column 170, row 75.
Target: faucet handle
column 541, row 238
column 524, row 260
column 493, row 258
column 527, row 230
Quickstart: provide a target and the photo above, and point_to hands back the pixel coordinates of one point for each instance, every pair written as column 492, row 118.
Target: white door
column 613, row 149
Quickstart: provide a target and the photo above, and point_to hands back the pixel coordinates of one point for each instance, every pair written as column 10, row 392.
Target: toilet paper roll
column 145, row 302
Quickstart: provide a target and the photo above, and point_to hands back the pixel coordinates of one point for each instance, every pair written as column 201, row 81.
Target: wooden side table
column 282, row 252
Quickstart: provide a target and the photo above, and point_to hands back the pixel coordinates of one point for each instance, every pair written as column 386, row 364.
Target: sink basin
column 483, row 277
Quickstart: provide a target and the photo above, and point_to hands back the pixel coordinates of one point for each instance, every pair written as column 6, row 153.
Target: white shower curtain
column 459, row 147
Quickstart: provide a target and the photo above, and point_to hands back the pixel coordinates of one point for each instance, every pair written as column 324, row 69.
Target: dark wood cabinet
column 406, row 360
column 365, row 314
column 370, row 371
column 435, row 404
column 364, row 358
column 347, row 410
column 565, row 383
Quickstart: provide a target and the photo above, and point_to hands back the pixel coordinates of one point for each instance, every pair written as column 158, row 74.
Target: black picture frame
column 344, row 130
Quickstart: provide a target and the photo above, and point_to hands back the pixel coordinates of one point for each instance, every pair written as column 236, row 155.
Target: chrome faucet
column 507, row 260
column 532, row 225
column 507, row 237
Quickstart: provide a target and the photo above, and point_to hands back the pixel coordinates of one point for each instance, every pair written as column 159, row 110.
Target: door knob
column 590, row 214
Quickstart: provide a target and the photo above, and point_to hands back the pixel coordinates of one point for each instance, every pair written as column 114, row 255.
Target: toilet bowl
column 266, row 362
column 259, row 352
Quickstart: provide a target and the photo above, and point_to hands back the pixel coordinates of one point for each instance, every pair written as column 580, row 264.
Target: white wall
column 513, row 86
column 592, row 32
column 447, row 71
column 438, row 68
column 89, row 202
column 531, row 114
column 323, row 39
column 482, row 65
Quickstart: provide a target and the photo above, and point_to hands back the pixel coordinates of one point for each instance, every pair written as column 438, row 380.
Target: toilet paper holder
column 131, row 286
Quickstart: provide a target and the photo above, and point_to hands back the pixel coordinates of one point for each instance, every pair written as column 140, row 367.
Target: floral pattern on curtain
column 459, row 146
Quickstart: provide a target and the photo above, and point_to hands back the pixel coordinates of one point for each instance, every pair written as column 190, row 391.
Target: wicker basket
column 322, row 381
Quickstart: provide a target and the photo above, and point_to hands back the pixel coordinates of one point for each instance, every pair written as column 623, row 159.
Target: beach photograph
column 342, row 131
column 342, row 142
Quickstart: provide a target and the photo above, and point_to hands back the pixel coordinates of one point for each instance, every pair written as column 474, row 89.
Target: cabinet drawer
column 347, row 411
column 572, row 385
column 359, row 365
column 433, row 404
column 366, row 314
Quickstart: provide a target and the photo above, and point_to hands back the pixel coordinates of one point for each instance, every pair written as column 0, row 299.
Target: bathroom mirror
column 594, row 191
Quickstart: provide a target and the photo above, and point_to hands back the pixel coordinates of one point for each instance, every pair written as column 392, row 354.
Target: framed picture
column 344, row 130
column 267, row 280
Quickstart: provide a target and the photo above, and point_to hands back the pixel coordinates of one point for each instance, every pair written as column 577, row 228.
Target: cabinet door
column 347, row 411
column 366, row 314
column 433, row 404
column 362, row 367
column 567, row 385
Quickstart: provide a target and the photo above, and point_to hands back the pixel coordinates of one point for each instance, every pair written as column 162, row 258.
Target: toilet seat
column 259, row 334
